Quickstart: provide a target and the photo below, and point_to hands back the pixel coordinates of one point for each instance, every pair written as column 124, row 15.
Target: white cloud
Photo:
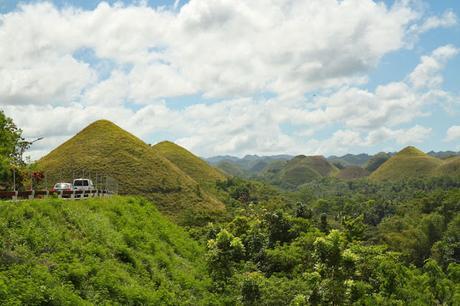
column 346, row 141
column 448, row 19
column 453, row 133
column 220, row 48
column 230, row 50
column 427, row 73
column 413, row 135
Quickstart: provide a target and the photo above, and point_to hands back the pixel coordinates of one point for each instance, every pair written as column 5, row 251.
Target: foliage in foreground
column 361, row 243
column 100, row 251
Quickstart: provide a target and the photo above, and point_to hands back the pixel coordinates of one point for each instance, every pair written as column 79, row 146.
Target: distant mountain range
column 346, row 160
column 292, row 171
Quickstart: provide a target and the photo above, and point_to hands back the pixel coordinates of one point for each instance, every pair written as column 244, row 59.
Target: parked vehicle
column 62, row 187
column 83, row 184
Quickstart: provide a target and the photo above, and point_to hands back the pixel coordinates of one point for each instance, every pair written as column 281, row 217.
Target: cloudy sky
column 236, row 77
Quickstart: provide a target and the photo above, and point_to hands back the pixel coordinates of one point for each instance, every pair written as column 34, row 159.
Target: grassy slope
column 408, row 163
column 103, row 147
column 450, row 167
column 302, row 169
column 192, row 165
column 376, row 161
column 111, row 250
column 232, row 169
column 352, row 172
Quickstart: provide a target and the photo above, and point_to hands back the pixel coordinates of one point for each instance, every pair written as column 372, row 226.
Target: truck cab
column 83, row 184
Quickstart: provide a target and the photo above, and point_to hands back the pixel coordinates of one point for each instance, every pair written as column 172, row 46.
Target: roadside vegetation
column 117, row 250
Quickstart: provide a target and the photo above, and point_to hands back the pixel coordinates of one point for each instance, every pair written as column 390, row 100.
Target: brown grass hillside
column 407, row 163
column 450, row 167
column 352, row 173
column 303, row 169
column 105, row 148
column 189, row 163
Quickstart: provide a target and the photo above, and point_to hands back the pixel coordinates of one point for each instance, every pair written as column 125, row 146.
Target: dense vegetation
column 335, row 243
column 330, row 242
column 100, row 251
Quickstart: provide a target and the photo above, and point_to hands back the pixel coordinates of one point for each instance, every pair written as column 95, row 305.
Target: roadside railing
column 65, row 194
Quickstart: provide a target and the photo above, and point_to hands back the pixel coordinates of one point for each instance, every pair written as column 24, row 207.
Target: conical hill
column 303, row 169
column 407, row 163
column 192, row 165
column 104, row 149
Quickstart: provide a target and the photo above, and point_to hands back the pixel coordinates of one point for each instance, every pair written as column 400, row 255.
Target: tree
column 10, row 136
column 223, row 253
column 250, row 291
column 11, row 147
column 278, row 226
column 354, row 227
column 302, row 211
column 324, row 225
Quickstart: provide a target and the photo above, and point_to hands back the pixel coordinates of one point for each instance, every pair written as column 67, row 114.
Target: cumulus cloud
column 234, row 52
column 448, row 19
column 453, row 133
column 219, row 48
column 427, row 73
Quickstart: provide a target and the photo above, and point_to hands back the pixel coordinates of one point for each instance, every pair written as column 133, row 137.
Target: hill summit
column 410, row 162
column 411, row 151
column 103, row 148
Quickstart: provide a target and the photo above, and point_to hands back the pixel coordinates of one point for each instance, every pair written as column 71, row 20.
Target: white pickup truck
column 83, row 184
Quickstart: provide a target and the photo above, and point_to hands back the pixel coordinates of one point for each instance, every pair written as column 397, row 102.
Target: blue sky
column 237, row 77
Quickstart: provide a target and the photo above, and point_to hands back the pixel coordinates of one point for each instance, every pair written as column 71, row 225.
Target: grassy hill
column 350, row 159
column 376, row 161
column 352, row 172
column 103, row 251
column 192, row 165
column 103, row 148
column 407, row 163
column 297, row 171
column 231, row 168
column 249, row 166
column 450, row 167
